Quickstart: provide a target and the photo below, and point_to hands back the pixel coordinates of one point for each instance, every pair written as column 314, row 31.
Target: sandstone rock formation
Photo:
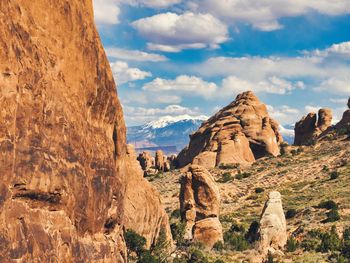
column 64, row 164
column 200, row 206
column 344, row 123
column 273, row 227
column 143, row 212
column 239, row 133
column 147, row 163
column 309, row 128
column 159, row 162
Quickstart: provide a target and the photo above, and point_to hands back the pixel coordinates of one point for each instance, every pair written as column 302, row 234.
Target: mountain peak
column 166, row 120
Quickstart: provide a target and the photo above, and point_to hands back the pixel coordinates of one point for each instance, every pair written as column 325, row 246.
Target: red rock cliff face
column 63, row 160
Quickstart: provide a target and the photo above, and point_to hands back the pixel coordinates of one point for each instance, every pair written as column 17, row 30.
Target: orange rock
column 63, row 162
column 239, row 133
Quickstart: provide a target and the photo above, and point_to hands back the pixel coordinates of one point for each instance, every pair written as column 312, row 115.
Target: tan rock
column 147, row 163
column 239, row 133
column 205, row 159
column 64, row 164
column 208, row 231
column 199, row 200
column 159, row 161
column 144, row 212
column 273, row 226
column 344, row 123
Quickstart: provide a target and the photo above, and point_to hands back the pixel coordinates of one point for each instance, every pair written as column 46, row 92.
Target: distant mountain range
column 166, row 132
column 171, row 134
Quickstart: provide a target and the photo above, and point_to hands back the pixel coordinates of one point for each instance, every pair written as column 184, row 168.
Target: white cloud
column 152, row 3
column 124, row 74
column 133, row 55
column 336, row 85
column 106, row 11
column 183, row 84
column 284, row 114
column 264, row 14
column 339, row 101
column 170, row 32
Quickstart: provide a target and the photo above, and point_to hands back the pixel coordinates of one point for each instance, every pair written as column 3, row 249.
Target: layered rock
column 273, row 226
column 63, row 162
column 200, row 206
column 310, row 127
column 239, row 133
column 159, row 160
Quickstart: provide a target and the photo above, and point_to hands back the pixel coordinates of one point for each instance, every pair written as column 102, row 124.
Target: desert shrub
column 325, row 168
column 228, row 166
column 329, row 204
column 235, row 241
column 241, row 176
column 330, row 241
column 270, row 258
column 291, row 213
column 312, row 241
column 219, row 261
column 178, row 232
column 332, row 216
column 259, row 190
column 292, row 244
column 134, row 242
column 237, row 228
column 253, row 232
column 197, row 256
column 162, row 247
column 225, row 177
column 346, row 244
column 218, row 246
column 334, row 175
column 147, row 257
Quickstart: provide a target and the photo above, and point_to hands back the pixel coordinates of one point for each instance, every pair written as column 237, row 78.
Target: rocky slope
column 68, row 181
column 303, row 177
column 239, row 133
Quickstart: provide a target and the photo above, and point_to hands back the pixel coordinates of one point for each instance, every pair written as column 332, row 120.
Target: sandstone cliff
column 239, row 133
column 64, row 162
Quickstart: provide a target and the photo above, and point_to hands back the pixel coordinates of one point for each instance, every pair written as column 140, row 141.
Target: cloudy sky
column 174, row 57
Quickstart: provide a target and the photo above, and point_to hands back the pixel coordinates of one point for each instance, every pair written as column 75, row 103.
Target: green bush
column 236, row 242
column 241, row 176
column 253, row 232
column 219, row 261
column 330, row 204
column 197, row 256
column 334, row 175
column 259, row 190
column 228, row 166
column 312, row 240
column 225, row 178
column 346, row 243
column 134, row 242
column 176, row 213
column 291, row 213
column 147, row 257
column 330, row 241
column 178, row 231
column 332, row 216
column 292, row 244
column 218, row 246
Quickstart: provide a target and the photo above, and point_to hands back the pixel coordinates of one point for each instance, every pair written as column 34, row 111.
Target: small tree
column 178, row 231
column 330, row 241
column 162, row 247
column 134, row 242
column 332, row 216
column 292, row 245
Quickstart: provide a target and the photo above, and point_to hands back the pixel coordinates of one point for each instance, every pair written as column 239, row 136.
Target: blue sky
column 175, row 57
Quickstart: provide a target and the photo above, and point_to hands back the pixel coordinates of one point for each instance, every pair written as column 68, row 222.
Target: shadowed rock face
column 310, row 127
column 239, row 133
column 345, row 121
column 64, row 165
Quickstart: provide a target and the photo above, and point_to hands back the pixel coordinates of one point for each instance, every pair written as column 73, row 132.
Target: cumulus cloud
column 182, row 85
column 134, row 55
column 153, row 3
column 170, row 32
column 123, row 73
column 336, row 85
column 284, row 114
column 106, row 11
column 265, row 14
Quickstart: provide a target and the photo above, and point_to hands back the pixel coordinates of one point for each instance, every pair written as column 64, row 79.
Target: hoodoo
column 239, row 133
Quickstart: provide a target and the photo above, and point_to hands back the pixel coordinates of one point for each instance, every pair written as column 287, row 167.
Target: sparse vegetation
column 259, row 190
column 225, row 178
column 291, row 213
column 292, row 245
column 334, row 175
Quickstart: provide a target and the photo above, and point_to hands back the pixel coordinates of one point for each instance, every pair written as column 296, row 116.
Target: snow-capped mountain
column 167, row 131
column 287, row 132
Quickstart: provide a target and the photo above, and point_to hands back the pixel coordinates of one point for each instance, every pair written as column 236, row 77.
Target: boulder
column 239, row 133
column 273, row 226
column 200, row 201
column 64, row 164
